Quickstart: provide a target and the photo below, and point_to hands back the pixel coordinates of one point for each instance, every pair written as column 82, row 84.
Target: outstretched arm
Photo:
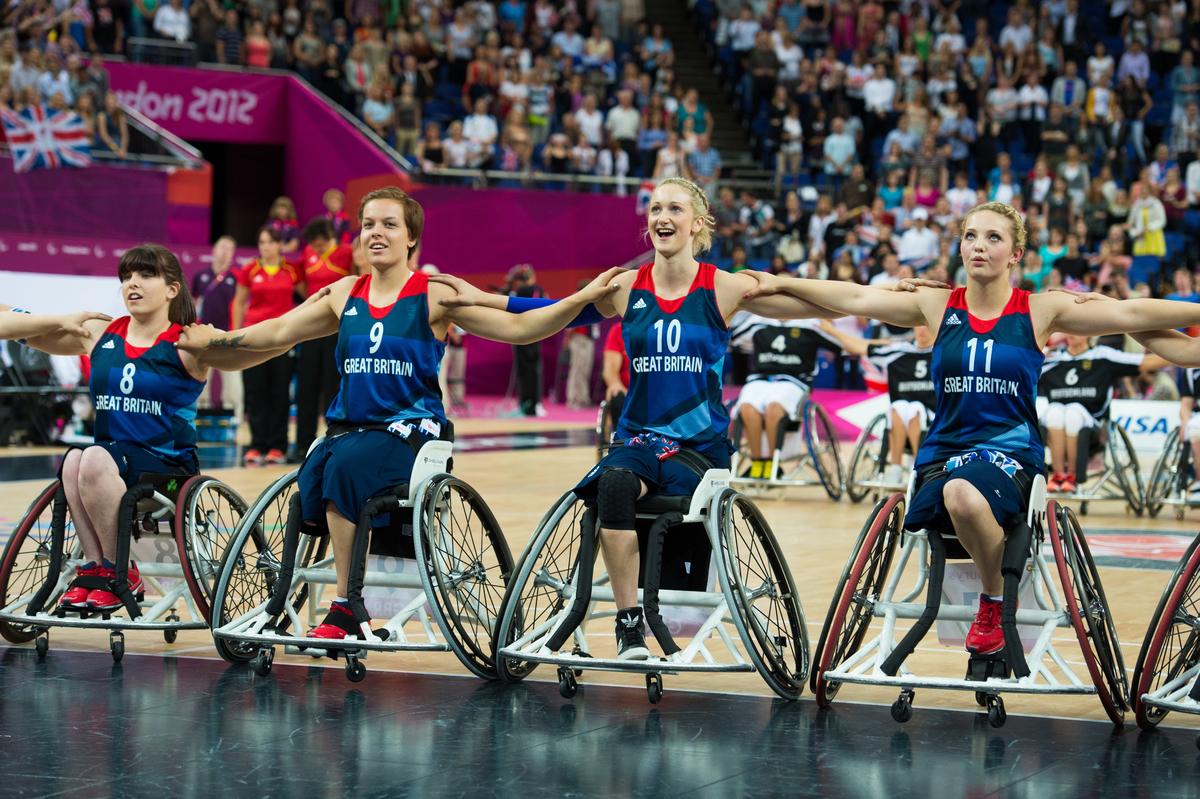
column 58, row 334
column 469, row 295
column 1060, row 312
column 854, row 345
column 1171, row 345
column 903, row 308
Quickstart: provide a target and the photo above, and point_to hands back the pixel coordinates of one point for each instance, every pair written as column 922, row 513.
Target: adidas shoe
column 986, row 636
column 104, row 600
column 339, row 622
column 631, row 643
column 252, row 458
column 1067, row 484
column 77, row 596
column 276, row 456
column 1054, row 483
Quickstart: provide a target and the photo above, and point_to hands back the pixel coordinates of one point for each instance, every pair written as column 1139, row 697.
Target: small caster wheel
column 981, row 698
column 902, row 707
column 996, row 714
column 654, row 688
column 262, row 662
column 41, row 645
column 170, row 635
column 568, row 686
column 355, row 670
column 1179, row 514
column 1083, row 509
column 116, row 645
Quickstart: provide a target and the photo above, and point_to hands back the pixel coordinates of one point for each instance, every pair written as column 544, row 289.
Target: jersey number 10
column 674, row 334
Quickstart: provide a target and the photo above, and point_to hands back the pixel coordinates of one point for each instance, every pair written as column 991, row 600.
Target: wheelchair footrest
column 981, row 668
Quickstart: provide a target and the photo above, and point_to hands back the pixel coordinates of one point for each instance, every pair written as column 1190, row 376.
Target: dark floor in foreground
column 75, row 725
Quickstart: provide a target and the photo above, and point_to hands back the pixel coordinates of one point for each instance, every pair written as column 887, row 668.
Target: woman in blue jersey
column 391, row 328
column 984, row 446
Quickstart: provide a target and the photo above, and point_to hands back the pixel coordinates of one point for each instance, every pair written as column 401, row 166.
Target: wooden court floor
column 815, row 533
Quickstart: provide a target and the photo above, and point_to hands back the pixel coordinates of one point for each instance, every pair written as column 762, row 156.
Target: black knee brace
column 616, row 497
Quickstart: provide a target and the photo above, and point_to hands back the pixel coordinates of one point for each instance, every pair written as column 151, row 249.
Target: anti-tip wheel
column 355, row 670
column 41, row 645
column 568, row 686
column 262, row 662
column 116, row 645
column 995, row 713
column 654, row 688
column 902, row 707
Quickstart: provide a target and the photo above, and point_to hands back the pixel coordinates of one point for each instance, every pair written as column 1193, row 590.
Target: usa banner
column 44, row 139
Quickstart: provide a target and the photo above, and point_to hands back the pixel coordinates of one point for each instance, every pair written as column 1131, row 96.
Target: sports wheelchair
column 1167, row 674
column 867, row 472
column 1170, row 477
column 436, row 570
column 711, row 559
column 1030, row 663
column 811, row 458
column 177, row 527
column 606, row 423
column 1118, row 475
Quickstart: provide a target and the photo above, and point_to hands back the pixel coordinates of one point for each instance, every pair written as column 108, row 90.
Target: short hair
column 1015, row 222
column 319, row 228
column 414, row 214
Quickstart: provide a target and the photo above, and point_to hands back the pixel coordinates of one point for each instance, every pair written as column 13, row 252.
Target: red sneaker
column 339, row 622
column 276, row 456
column 1054, row 483
column 77, row 596
column 985, row 636
column 1068, row 483
column 252, row 458
column 102, row 600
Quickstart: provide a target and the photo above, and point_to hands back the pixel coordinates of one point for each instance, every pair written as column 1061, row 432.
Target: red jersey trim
column 705, row 279
column 120, row 327
column 1018, row 303
column 417, row 283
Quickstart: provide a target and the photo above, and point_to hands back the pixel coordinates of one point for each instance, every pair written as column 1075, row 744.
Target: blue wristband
column 588, row 316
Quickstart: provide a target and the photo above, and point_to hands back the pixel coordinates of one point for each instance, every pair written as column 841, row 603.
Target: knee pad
column 616, row 497
column 1076, row 419
column 1055, row 417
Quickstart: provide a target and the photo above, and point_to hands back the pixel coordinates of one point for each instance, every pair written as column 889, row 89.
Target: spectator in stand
column 613, row 162
column 1074, row 32
column 107, row 33
column 172, row 21
column 230, row 42
column 840, row 151
column 265, row 289
column 1185, row 85
column 206, row 17
column 758, row 221
column 1016, row 32
column 622, row 126
column 308, row 51
column 1032, row 101
column 85, row 107
column 1003, row 105
column 907, row 140
column 481, row 130
column 378, row 112
column 331, row 79
column 590, row 121
column 1157, row 169
column 1134, row 64
column 458, row 153
column 141, row 16
column 257, row 47
column 214, row 289
column 705, row 165
column 1146, row 221
column 53, row 80
column 324, row 261
column 919, row 245
column 282, row 219
column 691, row 108
column 1185, row 136
column 1070, row 92
column 112, row 127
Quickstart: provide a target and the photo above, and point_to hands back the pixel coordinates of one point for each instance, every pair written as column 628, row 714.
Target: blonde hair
column 1015, row 221
column 702, row 241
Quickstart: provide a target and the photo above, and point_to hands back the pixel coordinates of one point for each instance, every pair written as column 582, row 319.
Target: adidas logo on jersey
column 954, row 320
column 640, row 304
column 108, row 345
column 351, row 312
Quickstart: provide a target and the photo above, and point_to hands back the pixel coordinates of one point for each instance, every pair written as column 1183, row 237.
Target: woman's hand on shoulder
column 84, row 324
column 454, row 292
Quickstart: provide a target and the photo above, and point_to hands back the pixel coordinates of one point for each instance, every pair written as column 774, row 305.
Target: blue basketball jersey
column 986, row 373
column 676, row 352
column 144, row 395
column 388, row 358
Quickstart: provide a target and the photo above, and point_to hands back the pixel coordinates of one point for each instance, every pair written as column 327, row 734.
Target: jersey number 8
column 127, row 378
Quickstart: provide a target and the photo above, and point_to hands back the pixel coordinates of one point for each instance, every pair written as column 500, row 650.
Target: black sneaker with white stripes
column 631, row 643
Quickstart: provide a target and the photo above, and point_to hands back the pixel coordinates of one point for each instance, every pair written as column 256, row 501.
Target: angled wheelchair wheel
column 1172, row 643
column 544, row 571
column 767, row 605
column 822, row 443
column 861, row 583
column 206, row 515
column 740, row 466
column 252, row 563
column 867, row 462
column 466, row 565
column 1125, row 462
column 1165, row 474
column 1089, row 611
column 27, row 559
column 605, row 425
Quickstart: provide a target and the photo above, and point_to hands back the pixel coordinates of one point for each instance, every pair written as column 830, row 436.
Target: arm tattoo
column 226, row 342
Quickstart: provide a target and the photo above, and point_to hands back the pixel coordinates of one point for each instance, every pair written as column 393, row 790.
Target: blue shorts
column 668, row 478
column 350, row 469
column 1007, row 496
column 134, row 460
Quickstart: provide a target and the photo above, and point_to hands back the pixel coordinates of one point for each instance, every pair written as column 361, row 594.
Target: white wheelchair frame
column 1099, row 486
column 801, row 469
column 872, row 443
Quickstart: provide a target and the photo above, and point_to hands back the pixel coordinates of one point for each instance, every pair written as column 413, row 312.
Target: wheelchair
column 1118, row 475
column 606, row 423
column 1167, row 674
column 1170, row 477
column 176, row 527
column 811, row 458
column 866, row 474
column 1030, row 663
column 436, row 571
column 711, row 559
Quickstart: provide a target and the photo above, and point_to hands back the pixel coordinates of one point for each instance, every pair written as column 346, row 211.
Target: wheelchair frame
column 802, row 470
column 1170, row 477
column 874, row 443
column 1080, row 606
column 575, row 596
column 33, row 610
column 1119, row 465
column 253, row 634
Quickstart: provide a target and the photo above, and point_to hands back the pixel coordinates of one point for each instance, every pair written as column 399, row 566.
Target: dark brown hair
column 161, row 262
column 414, row 214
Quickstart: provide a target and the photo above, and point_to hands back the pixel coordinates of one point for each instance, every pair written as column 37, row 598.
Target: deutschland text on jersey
column 144, row 395
column 676, row 354
column 985, row 372
column 388, row 358
column 1087, row 378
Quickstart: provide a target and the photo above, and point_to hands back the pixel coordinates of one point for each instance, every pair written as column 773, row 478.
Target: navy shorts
column 134, row 460
column 1007, row 496
column 350, row 469
column 669, row 478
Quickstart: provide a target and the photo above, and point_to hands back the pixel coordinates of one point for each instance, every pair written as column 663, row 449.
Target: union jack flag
column 44, row 139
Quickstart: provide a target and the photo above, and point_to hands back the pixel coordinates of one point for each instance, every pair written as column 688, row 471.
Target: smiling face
column 987, row 245
column 673, row 220
column 384, row 234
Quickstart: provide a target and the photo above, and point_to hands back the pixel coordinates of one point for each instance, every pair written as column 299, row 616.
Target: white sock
column 995, row 598
column 341, row 599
